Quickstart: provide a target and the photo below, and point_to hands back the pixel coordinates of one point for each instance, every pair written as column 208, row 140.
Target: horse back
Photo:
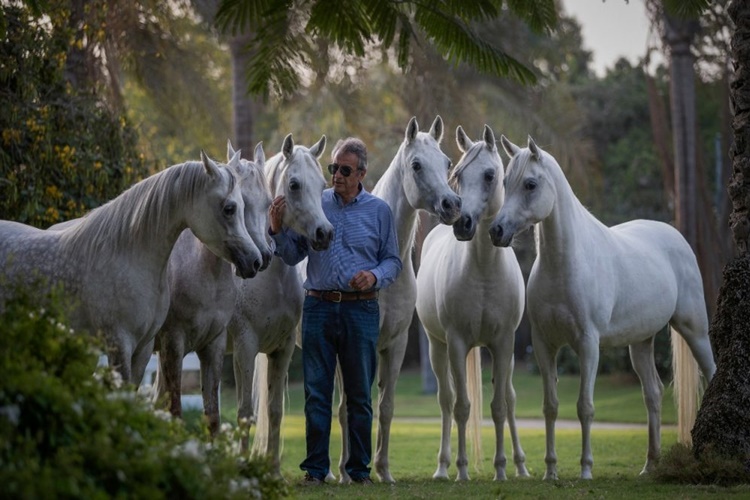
column 625, row 286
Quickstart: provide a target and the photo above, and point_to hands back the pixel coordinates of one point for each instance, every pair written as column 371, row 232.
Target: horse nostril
column 467, row 223
column 321, row 234
column 449, row 204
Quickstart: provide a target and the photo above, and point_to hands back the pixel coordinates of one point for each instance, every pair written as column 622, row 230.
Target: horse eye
column 230, row 209
column 490, row 176
column 416, row 166
column 294, row 185
column 529, row 185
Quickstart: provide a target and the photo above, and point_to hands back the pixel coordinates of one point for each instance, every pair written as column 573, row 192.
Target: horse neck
column 569, row 229
column 390, row 188
column 144, row 222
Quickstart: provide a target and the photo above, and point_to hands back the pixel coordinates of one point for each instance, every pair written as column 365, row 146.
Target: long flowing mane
column 137, row 215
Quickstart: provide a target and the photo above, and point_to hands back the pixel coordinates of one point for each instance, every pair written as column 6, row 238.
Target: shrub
column 65, row 433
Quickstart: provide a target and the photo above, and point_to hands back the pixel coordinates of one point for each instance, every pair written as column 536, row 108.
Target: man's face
column 347, row 186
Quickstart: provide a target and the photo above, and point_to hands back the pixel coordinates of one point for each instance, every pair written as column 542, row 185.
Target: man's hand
column 276, row 214
column 363, row 280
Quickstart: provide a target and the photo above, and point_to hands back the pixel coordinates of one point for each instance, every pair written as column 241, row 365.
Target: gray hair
column 354, row 146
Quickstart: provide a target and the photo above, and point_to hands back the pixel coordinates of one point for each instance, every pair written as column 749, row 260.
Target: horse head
column 257, row 198
column 530, row 191
column 424, row 169
column 476, row 178
column 297, row 175
column 217, row 219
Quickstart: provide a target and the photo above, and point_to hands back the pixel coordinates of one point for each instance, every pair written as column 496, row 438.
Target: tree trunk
column 245, row 108
column 722, row 422
column 679, row 34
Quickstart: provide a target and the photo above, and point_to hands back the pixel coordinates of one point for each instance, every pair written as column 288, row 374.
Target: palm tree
column 721, row 425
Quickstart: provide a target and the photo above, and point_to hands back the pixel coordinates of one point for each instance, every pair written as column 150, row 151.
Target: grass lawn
column 619, row 455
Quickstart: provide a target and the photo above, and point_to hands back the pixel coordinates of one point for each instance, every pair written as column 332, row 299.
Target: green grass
column 616, row 399
column 619, row 455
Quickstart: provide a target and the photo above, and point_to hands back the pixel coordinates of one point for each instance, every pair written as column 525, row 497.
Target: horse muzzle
column 247, row 263
column 449, row 209
column 500, row 237
column 322, row 238
column 464, row 228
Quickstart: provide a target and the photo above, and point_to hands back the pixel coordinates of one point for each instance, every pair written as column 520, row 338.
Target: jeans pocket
column 370, row 306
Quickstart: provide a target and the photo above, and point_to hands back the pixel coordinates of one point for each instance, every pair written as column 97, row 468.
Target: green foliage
column 63, row 152
column 679, row 465
column 282, row 31
column 65, row 433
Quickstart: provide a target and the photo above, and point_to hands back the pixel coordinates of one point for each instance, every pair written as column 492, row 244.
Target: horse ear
column 489, row 138
column 536, row 153
column 510, row 148
column 288, row 147
column 260, row 155
column 463, row 141
column 212, row 169
column 436, row 130
column 317, row 149
column 411, row 129
column 234, row 161
column 230, row 149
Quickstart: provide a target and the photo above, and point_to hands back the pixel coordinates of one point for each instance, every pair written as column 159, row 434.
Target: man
column 341, row 315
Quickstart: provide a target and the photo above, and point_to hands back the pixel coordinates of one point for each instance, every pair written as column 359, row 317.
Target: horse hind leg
column 344, row 424
column 642, row 357
column 692, row 326
column 389, row 369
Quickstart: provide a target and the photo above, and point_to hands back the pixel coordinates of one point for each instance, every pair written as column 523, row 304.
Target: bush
column 65, row 433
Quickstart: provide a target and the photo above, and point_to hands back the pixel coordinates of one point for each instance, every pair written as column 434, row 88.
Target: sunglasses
column 345, row 170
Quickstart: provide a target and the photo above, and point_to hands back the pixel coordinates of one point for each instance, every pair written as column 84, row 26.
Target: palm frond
column 239, row 16
column 540, row 15
column 459, row 43
column 686, row 8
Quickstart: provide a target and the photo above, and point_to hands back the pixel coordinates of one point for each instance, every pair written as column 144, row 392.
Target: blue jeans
column 347, row 332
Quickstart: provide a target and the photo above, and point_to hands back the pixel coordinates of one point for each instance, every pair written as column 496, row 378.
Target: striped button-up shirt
column 364, row 238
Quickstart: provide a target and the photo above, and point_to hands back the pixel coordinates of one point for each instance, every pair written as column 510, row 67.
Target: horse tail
column 260, row 405
column 687, row 387
column 474, row 391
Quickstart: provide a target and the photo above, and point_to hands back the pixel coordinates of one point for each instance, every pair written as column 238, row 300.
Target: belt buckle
column 340, row 295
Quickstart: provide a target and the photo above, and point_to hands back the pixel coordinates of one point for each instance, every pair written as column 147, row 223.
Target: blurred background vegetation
column 95, row 95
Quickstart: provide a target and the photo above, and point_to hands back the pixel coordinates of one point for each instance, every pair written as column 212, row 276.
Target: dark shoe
column 309, row 480
column 364, row 481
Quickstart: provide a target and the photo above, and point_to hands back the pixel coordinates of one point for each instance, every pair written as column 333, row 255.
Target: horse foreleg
column 502, row 360
column 642, row 357
column 278, row 370
column 519, row 457
column 547, row 362
column 245, row 349
column 169, row 376
column 457, row 352
column 439, row 362
column 588, row 354
column 211, row 358
column 390, row 366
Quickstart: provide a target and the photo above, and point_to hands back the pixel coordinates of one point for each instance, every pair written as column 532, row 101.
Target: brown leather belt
column 338, row 296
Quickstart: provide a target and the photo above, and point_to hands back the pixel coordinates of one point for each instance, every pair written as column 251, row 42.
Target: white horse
column 417, row 178
column 470, row 294
column 202, row 298
column 592, row 286
column 269, row 307
column 112, row 263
